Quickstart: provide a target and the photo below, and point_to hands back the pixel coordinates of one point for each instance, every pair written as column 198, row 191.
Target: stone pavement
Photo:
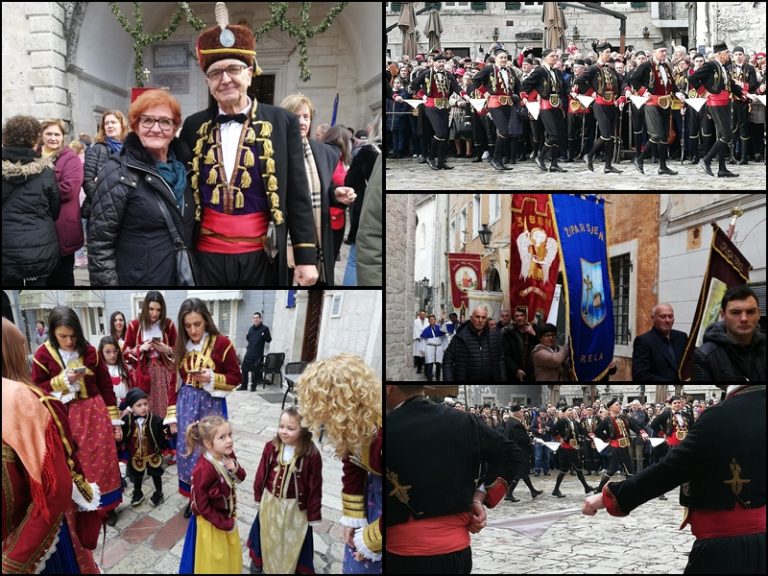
column 150, row 540
column 645, row 542
column 407, row 175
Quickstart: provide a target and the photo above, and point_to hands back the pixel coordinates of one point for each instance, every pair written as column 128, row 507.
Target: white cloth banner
column 552, row 318
column 414, row 103
column 696, row 103
column 761, row 98
column 534, row 108
column 656, row 441
column 599, row 444
column 639, row 101
column 586, row 101
column 477, row 103
column 551, row 445
column 532, row 526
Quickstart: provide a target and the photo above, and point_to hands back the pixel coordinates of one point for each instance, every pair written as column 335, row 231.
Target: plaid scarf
column 315, row 194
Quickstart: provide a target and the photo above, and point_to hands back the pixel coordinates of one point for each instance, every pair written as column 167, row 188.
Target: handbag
column 185, row 272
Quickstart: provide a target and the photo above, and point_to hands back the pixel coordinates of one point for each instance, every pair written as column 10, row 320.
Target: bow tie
column 224, row 118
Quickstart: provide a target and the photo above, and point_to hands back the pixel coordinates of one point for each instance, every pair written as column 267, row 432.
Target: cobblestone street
column 407, row 175
column 645, row 542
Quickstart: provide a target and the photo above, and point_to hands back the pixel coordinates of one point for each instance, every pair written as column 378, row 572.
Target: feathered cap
column 226, row 41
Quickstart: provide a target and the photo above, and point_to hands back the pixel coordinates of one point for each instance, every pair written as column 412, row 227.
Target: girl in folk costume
column 109, row 351
column 149, row 343
column 343, row 395
column 212, row 544
column 208, row 372
column 69, row 368
column 289, row 487
column 117, row 328
column 42, row 477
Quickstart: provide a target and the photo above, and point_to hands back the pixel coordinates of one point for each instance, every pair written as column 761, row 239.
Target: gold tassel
column 257, row 71
column 266, row 130
column 204, row 128
column 272, row 185
column 212, row 177
column 196, row 163
column 210, row 138
column 194, row 181
column 248, row 159
column 277, row 216
column 199, row 146
column 245, row 180
column 209, row 158
column 215, row 196
column 268, row 151
column 250, row 136
column 239, row 199
column 270, row 166
column 197, row 213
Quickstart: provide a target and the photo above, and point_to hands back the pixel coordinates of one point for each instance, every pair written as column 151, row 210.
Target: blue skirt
column 373, row 511
column 192, row 405
column 63, row 561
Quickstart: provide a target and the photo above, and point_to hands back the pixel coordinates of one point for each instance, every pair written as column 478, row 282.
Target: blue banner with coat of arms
column 580, row 225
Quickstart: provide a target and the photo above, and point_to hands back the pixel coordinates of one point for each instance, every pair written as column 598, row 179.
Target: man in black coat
column 657, row 353
column 247, row 174
column 475, row 354
column 734, row 348
column 253, row 362
column 517, row 431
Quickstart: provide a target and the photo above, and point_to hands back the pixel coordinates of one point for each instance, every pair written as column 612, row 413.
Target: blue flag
column 335, row 109
column 580, row 225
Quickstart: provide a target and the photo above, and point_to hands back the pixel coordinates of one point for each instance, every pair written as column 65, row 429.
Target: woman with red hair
column 130, row 242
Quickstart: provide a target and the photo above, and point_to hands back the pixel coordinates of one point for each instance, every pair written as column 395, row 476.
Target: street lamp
column 485, row 235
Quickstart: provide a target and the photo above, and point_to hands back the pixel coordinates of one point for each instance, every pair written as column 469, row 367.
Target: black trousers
column 657, row 120
column 554, row 125
column 454, row 563
column 252, row 365
column 250, row 269
column 606, row 120
column 619, row 459
column 721, row 116
column 439, row 121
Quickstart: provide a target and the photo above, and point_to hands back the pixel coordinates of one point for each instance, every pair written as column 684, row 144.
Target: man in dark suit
column 248, row 175
column 657, row 353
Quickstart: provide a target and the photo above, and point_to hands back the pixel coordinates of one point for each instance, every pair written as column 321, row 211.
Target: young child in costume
column 145, row 439
column 212, row 544
column 281, row 541
column 343, row 396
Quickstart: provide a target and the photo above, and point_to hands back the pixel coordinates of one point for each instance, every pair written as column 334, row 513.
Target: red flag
column 466, row 274
column 534, row 259
column 727, row 267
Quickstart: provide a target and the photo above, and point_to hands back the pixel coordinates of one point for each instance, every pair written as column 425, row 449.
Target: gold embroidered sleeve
column 354, row 505
column 372, row 537
column 59, row 383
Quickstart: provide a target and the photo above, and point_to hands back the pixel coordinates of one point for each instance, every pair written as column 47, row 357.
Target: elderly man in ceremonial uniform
column 434, row 498
column 248, row 175
column 743, row 74
column 723, row 461
column 654, row 79
column 435, row 87
column 548, row 83
column 714, row 79
column 602, row 81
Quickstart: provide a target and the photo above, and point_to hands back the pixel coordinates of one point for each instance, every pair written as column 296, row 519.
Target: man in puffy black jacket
column 734, row 348
column 475, row 352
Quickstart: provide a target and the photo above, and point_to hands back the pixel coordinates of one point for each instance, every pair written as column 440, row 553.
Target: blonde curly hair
column 342, row 394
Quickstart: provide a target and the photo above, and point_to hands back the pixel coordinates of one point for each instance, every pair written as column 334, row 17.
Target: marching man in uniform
column 655, row 79
column 713, row 78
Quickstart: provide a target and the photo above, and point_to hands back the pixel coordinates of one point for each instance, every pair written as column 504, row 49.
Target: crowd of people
column 482, row 349
column 504, row 131
column 243, row 193
column 152, row 395
column 438, row 497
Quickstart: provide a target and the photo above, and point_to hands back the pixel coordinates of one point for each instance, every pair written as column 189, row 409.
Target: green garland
column 142, row 39
column 303, row 32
